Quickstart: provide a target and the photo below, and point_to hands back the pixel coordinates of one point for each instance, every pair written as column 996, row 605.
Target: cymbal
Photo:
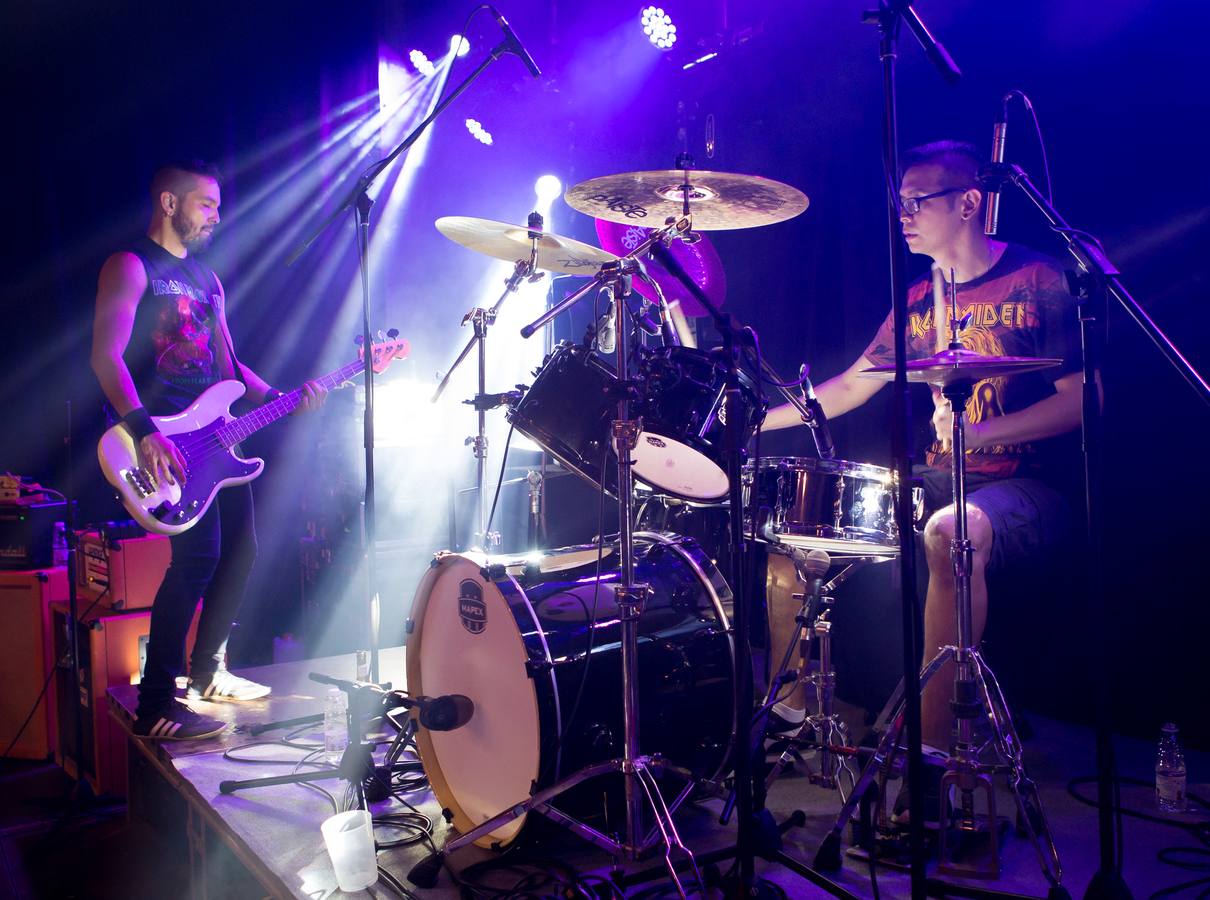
column 511, row 242
column 700, row 261
column 718, row 200
column 950, row 366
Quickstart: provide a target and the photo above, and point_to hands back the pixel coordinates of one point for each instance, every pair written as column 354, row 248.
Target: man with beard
column 160, row 338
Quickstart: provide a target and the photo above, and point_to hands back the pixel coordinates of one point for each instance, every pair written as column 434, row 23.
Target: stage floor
column 274, row 830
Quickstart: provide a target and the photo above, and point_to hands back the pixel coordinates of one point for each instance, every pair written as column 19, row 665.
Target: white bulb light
column 658, row 27
column 547, row 188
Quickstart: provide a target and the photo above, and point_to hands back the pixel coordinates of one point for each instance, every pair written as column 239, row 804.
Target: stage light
column 658, row 27
column 478, row 132
column 548, row 188
column 422, row 63
column 460, row 45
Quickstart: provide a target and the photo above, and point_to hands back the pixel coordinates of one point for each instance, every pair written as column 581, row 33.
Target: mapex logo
column 471, row 608
column 654, row 441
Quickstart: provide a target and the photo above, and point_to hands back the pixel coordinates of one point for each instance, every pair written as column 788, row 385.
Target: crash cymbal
column 718, row 200
column 949, row 366
column 511, row 242
column 699, row 259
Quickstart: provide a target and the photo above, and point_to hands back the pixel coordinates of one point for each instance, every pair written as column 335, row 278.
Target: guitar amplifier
column 27, row 534
column 131, row 568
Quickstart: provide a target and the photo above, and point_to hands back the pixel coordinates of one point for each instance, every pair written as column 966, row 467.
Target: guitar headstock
column 383, row 352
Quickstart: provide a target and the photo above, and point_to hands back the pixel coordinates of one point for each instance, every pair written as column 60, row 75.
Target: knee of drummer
column 781, row 584
column 939, row 535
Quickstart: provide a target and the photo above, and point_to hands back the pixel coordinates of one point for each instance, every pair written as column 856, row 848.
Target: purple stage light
column 658, row 27
column 422, row 63
column 475, row 127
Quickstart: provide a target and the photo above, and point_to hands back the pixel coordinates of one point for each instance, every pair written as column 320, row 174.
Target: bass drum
column 534, row 642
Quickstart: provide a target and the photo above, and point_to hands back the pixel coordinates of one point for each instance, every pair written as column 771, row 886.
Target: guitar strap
column 226, row 351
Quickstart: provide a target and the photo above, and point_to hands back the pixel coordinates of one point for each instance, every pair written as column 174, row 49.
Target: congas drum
column 534, row 642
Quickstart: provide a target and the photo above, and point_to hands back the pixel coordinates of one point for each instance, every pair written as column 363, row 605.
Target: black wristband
column 272, row 394
column 140, row 424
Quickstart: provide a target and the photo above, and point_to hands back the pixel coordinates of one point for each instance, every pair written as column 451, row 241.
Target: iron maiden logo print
column 471, row 608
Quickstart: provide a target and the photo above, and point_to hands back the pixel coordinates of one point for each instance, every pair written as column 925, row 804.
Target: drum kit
column 575, row 657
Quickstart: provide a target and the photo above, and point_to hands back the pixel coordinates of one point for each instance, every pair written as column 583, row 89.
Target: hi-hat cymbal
column 949, row 366
column 699, row 259
column 511, row 242
column 718, row 200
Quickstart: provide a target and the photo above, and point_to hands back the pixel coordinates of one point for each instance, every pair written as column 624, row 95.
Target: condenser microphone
column 607, row 332
column 815, row 419
column 513, row 44
column 991, row 218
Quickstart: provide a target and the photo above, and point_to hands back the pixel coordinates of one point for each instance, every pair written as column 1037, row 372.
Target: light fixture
column 422, row 63
column 459, row 45
column 548, row 188
column 475, row 127
column 658, row 27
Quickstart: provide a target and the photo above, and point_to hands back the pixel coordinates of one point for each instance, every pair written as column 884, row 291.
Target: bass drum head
column 464, row 640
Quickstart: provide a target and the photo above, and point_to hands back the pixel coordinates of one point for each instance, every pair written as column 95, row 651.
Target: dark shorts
column 1030, row 520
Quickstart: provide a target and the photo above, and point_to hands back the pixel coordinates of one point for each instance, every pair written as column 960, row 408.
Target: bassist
column 160, row 338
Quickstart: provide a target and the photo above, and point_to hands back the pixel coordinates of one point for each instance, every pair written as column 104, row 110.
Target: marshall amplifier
column 27, row 534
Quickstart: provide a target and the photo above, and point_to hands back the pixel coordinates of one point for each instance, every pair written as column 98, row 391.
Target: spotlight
column 460, row 45
column 478, row 132
column 658, row 27
column 422, row 63
column 548, row 188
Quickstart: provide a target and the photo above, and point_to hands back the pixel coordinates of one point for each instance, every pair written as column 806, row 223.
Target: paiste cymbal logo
column 471, row 608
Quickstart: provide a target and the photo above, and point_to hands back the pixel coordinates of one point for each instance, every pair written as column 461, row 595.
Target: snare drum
column 513, row 635
column 572, row 403
column 829, row 504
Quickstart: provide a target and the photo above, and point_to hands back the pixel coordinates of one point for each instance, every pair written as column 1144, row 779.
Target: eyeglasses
column 911, row 205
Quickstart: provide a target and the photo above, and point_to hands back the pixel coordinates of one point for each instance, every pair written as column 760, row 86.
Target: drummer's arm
column 1054, row 415
column 838, row 395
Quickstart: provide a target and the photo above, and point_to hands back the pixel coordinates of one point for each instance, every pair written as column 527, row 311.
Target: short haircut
column 176, row 177
column 961, row 160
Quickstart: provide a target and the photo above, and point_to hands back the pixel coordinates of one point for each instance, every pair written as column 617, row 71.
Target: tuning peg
column 393, row 333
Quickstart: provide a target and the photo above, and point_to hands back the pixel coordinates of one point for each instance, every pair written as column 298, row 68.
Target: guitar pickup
column 140, row 480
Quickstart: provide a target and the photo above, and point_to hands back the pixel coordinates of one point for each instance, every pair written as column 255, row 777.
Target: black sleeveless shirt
column 176, row 347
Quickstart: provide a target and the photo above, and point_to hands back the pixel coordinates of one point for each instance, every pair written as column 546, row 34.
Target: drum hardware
column 976, row 691
column 481, row 320
column 638, row 770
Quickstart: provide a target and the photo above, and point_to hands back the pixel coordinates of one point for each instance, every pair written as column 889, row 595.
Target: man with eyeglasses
column 1019, row 305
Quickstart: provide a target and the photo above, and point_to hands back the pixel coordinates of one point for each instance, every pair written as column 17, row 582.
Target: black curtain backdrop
column 98, row 96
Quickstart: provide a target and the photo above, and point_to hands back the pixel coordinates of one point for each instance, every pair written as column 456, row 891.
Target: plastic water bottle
column 1170, row 771
column 336, row 727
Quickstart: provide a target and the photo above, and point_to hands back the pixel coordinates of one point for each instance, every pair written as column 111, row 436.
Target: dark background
column 96, row 97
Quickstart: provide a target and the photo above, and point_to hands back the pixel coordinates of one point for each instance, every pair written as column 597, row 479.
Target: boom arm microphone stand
column 359, row 200
column 1100, row 278
column 482, row 319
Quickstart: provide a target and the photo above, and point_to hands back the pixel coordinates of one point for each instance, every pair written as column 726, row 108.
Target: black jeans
column 210, row 561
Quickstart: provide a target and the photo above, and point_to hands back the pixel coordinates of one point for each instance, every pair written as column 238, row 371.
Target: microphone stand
column 1099, row 279
column 359, row 200
column 482, row 319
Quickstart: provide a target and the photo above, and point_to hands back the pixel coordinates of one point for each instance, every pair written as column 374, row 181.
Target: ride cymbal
column 718, row 200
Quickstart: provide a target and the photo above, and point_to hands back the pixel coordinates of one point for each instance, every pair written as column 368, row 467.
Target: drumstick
column 940, row 316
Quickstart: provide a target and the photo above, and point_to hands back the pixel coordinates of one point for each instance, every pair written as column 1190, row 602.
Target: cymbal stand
column 639, row 771
column 482, row 319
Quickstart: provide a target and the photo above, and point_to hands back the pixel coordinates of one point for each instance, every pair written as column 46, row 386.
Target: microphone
column 513, row 45
column 991, row 220
column 444, row 713
column 815, row 566
column 607, row 333
column 816, row 420
column 486, row 402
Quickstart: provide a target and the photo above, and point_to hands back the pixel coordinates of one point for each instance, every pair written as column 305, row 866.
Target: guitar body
column 173, row 508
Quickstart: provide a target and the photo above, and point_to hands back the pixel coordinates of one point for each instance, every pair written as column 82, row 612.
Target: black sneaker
column 177, row 722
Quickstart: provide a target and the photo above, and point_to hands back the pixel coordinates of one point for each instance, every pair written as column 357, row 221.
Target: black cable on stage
column 1199, row 857
column 499, row 483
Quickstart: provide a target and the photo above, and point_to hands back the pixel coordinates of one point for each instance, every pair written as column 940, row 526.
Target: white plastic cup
column 349, row 837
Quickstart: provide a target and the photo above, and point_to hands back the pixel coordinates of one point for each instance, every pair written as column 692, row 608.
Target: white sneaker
column 226, row 686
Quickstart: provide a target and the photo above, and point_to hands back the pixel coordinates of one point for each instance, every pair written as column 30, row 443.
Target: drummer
column 1019, row 305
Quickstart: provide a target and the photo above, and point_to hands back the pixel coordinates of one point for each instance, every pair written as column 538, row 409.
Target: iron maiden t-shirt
column 1020, row 307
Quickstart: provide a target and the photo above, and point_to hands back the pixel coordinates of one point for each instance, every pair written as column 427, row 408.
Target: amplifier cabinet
column 26, row 658
column 131, row 569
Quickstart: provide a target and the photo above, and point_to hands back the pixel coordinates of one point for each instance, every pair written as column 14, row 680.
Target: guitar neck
column 238, row 429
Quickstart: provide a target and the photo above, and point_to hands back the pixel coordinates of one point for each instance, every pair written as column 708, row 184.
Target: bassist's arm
column 122, row 282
